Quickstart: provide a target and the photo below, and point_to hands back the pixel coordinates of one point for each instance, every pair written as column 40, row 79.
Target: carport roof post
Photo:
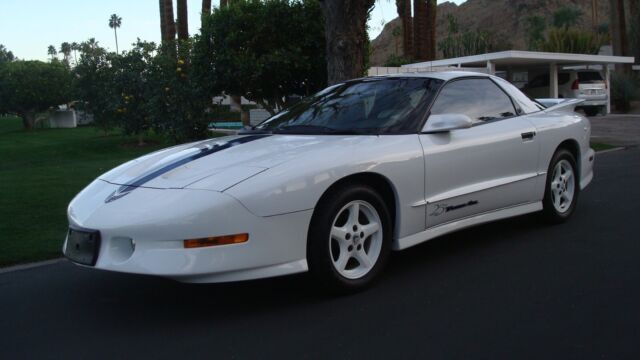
column 553, row 80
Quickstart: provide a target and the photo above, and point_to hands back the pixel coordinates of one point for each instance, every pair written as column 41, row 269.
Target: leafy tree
column 131, row 88
column 566, row 16
column 572, row 40
column 247, row 48
column 94, row 83
column 396, row 61
column 114, row 22
column 28, row 87
column 465, row 43
column 536, row 26
column 5, row 55
column 179, row 94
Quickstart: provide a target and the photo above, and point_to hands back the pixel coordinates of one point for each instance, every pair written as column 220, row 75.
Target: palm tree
column 65, row 49
column 424, row 34
column 114, row 22
column 167, row 23
column 183, row 21
column 618, row 30
column 51, row 51
column 404, row 12
column 75, row 47
column 206, row 9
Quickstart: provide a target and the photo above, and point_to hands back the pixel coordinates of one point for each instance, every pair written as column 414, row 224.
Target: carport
column 510, row 62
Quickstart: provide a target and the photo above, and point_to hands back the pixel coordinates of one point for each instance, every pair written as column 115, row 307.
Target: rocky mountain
column 504, row 20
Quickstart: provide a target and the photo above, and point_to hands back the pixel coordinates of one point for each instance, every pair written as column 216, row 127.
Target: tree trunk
column 206, row 7
column 28, row 119
column 169, row 22
column 206, row 10
column 235, row 105
column 163, row 21
column 115, row 33
column 407, row 28
column 183, row 21
column 432, row 9
column 420, row 30
column 618, row 29
column 223, row 3
column 345, row 22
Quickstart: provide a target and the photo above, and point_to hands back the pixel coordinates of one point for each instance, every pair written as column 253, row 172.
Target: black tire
column 591, row 110
column 550, row 212
column 319, row 241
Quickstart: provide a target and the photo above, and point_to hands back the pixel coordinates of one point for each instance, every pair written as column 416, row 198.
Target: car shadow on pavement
column 108, row 295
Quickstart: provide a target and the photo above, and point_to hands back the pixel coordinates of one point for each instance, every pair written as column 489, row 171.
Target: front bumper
column 143, row 233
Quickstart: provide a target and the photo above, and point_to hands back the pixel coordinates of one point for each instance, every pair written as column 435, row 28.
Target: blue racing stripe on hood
column 208, row 150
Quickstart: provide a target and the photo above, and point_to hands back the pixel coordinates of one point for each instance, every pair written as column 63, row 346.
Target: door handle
column 528, row 135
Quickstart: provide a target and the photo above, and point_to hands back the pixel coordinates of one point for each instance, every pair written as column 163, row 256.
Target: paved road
column 512, row 289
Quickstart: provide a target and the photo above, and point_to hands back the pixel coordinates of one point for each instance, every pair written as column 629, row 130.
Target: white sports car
column 334, row 183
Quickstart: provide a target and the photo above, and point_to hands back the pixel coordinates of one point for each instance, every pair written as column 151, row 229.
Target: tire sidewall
column 318, row 248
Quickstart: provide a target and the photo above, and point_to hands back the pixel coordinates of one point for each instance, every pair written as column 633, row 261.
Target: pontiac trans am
column 336, row 182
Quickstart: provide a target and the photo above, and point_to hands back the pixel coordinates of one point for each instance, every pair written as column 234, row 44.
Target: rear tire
column 349, row 238
column 562, row 187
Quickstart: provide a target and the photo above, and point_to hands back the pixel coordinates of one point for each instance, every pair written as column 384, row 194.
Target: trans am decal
column 445, row 208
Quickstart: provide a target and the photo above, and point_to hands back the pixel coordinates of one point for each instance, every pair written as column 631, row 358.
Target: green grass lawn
column 601, row 146
column 40, row 172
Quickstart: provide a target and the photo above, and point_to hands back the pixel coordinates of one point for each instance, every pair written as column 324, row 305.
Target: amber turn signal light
column 216, row 240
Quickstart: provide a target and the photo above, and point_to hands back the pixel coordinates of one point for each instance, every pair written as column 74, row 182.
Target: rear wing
column 564, row 105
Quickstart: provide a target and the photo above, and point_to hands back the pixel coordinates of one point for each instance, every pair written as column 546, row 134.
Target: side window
column 480, row 99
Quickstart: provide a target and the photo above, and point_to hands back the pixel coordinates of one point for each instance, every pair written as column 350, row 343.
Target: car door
column 489, row 166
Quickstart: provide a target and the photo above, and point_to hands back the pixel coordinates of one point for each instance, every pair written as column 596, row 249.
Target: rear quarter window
column 589, row 76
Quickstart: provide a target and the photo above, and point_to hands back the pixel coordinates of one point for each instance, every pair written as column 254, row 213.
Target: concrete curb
column 31, row 265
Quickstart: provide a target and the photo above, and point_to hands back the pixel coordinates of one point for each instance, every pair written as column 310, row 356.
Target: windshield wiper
column 252, row 130
column 318, row 129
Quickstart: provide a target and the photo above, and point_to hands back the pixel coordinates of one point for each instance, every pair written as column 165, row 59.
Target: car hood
column 224, row 161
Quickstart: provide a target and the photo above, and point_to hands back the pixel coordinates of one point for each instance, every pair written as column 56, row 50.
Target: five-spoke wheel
column 355, row 240
column 349, row 238
column 561, row 193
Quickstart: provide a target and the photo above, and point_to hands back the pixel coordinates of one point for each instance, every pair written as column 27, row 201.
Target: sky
column 28, row 27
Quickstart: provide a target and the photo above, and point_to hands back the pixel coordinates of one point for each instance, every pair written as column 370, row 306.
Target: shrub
column 623, row 90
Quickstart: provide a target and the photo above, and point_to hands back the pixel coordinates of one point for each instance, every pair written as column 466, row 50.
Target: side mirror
column 446, row 122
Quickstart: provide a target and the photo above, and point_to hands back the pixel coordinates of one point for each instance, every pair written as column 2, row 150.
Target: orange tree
column 29, row 87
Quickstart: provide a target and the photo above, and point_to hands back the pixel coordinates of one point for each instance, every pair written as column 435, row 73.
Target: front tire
column 562, row 188
column 349, row 238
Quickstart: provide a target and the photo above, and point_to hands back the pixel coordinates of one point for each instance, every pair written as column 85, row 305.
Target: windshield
column 367, row 106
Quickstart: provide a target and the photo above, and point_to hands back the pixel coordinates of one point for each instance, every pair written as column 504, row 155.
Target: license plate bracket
column 82, row 246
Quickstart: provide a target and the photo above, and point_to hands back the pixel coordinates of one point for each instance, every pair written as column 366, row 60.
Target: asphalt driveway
column 514, row 289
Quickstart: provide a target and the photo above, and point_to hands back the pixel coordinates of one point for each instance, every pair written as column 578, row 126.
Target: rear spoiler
column 564, row 105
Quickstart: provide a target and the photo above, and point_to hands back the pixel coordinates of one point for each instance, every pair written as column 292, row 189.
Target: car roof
column 442, row 75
